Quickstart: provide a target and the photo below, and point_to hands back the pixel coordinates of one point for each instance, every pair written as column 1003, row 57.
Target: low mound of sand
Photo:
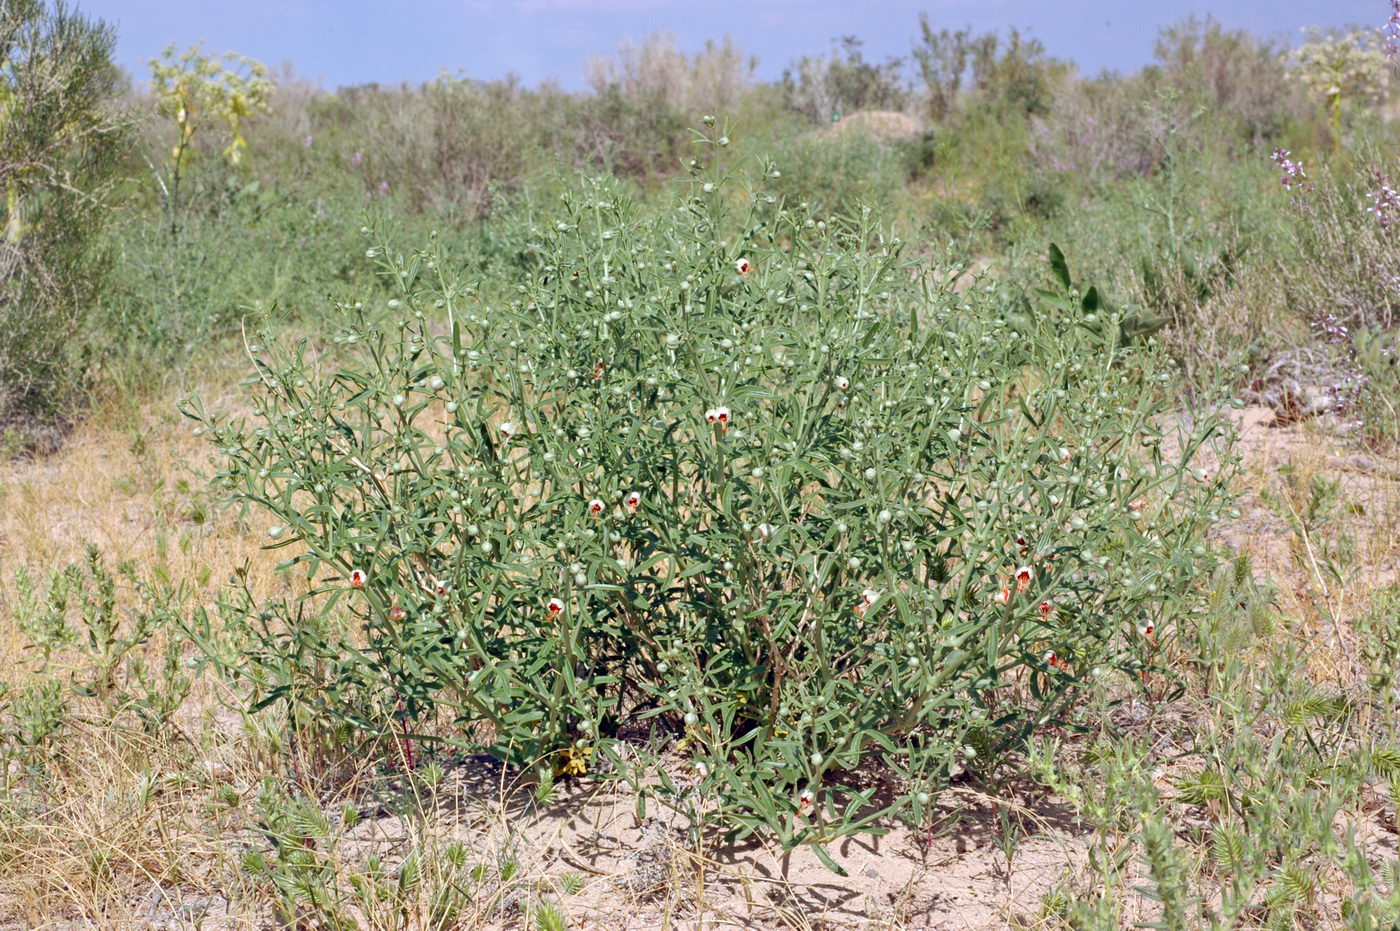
column 879, row 125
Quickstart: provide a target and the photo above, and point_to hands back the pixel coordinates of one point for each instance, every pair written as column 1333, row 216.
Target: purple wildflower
column 384, row 187
column 1289, row 170
column 356, row 158
column 1385, row 203
column 1331, row 329
column 1349, row 382
column 1391, row 31
column 307, row 142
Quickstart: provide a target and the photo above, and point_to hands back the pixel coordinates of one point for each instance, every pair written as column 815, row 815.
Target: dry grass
column 133, row 483
column 1321, row 525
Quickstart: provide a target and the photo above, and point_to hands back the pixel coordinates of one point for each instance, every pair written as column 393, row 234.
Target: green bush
column 1339, row 225
column 170, row 300
column 1193, row 240
column 833, row 174
column 824, row 87
column 740, row 476
column 59, row 142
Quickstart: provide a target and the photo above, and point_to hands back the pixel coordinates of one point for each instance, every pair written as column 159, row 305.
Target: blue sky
column 357, row 41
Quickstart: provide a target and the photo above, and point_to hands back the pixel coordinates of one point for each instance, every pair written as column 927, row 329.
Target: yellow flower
column 573, row 761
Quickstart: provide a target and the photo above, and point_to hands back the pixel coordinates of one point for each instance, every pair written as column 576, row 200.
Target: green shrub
column 203, row 100
column 746, row 478
column 1339, row 225
column 170, row 301
column 833, row 174
column 59, row 141
column 1194, row 240
column 825, row 87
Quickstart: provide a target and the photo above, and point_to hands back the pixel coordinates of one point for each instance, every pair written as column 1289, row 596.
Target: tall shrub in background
column 59, row 138
column 200, row 92
column 658, row 71
column 823, row 87
column 1339, row 70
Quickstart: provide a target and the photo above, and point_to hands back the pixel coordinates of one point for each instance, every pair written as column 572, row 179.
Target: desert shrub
column 1339, row 220
column 989, row 95
column 733, row 474
column 60, row 137
column 1094, row 132
column 980, row 166
column 832, row 173
column 445, row 147
column 1223, row 93
column 1239, row 79
column 657, row 72
column 200, row 102
column 941, row 59
column 1014, row 74
column 472, row 144
column 1195, row 238
column 259, row 251
column 625, row 137
column 453, row 146
column 1341, row 70
column 824, row 87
